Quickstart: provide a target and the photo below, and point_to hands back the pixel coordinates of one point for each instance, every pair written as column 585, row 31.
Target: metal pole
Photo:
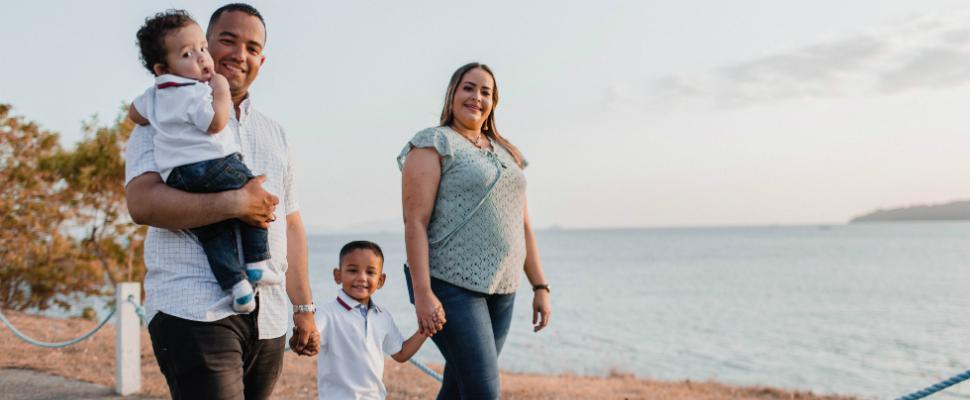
column 127, row 339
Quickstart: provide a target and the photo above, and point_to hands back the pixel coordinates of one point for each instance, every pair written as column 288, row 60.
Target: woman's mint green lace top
column 487, row 253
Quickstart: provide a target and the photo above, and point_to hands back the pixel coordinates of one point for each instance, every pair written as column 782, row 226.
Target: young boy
column 188, row 107
column 355, row 333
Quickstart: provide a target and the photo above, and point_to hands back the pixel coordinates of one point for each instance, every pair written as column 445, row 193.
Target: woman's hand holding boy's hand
column 431, row 316
column 540, row 306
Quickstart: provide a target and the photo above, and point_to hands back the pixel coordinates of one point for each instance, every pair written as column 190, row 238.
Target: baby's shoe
column 243, row 299
column 259, row 273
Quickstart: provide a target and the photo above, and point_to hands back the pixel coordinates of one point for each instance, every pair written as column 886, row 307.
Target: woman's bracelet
column 542, row 286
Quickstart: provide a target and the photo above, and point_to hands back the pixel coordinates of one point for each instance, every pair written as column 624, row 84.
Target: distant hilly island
column 953, row 211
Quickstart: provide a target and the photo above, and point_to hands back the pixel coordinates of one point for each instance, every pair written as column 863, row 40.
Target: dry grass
column 93, row 361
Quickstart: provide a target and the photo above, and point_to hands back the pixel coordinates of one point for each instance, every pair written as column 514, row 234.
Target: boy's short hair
column 361, row 245
column 151, row 36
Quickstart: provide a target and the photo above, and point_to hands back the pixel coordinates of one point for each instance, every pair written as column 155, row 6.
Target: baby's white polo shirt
column 351, row 360
column 180, row 110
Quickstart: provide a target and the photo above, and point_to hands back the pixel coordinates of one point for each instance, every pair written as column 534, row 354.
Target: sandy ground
column 93, row 361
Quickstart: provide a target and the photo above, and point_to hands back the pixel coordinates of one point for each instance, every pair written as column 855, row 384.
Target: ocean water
column 876, row 310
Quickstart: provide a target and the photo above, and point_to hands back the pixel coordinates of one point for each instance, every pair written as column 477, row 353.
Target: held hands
column 541, row 306
column 254, row 205
column 431, row 316
column 305, row 340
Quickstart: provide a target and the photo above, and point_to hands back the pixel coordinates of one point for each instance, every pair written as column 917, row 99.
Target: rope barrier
column 937, row 387
column 425, row 369
column 53, row 345
column 139, row 310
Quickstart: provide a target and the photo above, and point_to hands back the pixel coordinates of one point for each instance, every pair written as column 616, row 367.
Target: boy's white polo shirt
column 180, row 110
column 350, row 364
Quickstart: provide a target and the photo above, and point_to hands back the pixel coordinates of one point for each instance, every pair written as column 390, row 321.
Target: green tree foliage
column 65, row 230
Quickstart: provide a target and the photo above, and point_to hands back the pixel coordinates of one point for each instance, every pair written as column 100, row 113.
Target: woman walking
column 468, row 235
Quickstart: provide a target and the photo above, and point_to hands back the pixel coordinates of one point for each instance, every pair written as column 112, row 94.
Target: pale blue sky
column 639, row 113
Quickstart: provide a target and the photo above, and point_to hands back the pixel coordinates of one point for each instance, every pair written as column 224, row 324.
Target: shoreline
column 93, row 361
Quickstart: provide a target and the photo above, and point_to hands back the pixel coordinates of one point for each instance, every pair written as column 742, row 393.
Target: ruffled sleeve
column 435, row 138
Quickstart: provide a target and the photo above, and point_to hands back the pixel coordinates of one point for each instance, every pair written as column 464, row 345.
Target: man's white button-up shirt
column 178, row 280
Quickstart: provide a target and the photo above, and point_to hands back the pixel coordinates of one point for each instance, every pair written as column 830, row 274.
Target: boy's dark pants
column 219, row 239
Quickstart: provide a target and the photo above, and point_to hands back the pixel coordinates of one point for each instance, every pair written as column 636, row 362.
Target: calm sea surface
column 877, row 310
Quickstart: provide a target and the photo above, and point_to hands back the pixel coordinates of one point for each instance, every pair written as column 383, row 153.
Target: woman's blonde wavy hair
column 489, row 129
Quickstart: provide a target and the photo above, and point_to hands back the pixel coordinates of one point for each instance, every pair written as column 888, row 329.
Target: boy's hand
column 306, row 339
column 136, row 116
column 219, row 84
column 221, row 103
column 430, row 313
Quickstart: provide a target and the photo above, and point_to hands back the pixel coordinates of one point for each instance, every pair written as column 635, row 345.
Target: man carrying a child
column 203, row 347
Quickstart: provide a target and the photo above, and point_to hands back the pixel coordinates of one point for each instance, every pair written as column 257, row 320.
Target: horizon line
column 558, row 228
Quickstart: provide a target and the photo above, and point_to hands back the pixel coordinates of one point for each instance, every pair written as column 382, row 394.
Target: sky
column 631, row 113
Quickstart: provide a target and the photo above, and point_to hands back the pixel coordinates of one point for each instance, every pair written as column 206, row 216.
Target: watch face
column 304, row 308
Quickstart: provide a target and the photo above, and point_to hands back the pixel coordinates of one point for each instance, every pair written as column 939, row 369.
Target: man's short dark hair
column 151, row 36
column 241, row 7
column 361, row 245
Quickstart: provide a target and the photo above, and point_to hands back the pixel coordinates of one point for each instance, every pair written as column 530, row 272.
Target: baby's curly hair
column 151, row 36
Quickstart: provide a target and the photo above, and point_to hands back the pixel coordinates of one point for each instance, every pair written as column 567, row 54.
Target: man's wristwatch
column 541, row 286
column 299, row 308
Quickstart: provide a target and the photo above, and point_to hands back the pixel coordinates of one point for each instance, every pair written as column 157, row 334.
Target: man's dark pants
column 223, row 359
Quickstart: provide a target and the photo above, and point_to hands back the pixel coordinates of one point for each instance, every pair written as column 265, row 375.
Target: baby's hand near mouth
column 221, row 103
column 219, row 83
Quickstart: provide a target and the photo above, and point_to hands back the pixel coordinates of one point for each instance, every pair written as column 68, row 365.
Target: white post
column 127, row 340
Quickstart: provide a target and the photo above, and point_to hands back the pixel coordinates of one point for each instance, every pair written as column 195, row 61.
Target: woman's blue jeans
column 471, row 340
